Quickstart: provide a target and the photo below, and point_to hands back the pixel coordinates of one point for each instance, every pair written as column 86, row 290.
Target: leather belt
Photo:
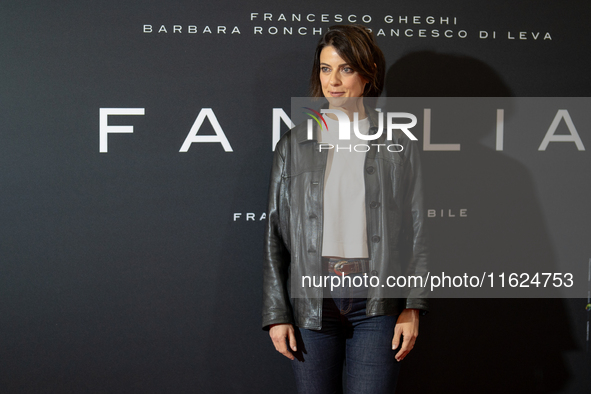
column 343, row 267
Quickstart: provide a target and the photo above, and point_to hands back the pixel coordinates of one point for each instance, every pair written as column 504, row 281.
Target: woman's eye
column 348, row 70
column 325, row 69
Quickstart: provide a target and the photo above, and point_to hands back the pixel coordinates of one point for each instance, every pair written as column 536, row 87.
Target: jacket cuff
column 418, row 303
column 276, row 319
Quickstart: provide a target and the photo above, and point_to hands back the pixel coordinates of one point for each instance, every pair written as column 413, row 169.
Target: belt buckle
column 337, row 267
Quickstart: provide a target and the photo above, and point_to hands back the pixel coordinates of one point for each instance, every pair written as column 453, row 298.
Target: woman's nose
column 334, row 79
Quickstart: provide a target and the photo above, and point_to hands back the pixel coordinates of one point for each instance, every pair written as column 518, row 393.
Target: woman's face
column 337, row 78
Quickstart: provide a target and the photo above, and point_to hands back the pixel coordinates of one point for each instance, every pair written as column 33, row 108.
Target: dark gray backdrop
column 126, row 271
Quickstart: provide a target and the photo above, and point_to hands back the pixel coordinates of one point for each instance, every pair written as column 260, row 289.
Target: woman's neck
column 349, row 107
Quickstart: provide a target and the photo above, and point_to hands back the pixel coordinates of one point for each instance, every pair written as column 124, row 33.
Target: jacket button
column 370, row 170
column 375, row 239
column 374, row 273
column 313, row 216
column 374, row 204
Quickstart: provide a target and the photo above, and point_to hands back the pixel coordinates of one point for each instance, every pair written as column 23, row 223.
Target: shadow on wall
column 481, row 345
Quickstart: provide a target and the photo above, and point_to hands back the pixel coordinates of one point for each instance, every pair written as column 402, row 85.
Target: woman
column 347, row 213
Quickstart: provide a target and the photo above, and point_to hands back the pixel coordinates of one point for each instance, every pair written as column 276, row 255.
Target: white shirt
column 344, row 226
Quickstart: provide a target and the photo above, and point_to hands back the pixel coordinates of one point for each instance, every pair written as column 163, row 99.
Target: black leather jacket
column 293, row 241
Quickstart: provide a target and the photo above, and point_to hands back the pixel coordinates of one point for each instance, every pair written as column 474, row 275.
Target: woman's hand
column 407, row 325
column 281, row 334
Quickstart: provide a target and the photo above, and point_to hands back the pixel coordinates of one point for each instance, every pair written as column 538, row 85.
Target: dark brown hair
column 357, row 46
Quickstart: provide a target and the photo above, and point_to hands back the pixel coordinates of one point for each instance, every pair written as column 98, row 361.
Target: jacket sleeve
column 417, row 237
column 276, row 301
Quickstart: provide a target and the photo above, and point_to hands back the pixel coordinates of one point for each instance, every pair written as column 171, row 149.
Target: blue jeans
column 347, row 334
